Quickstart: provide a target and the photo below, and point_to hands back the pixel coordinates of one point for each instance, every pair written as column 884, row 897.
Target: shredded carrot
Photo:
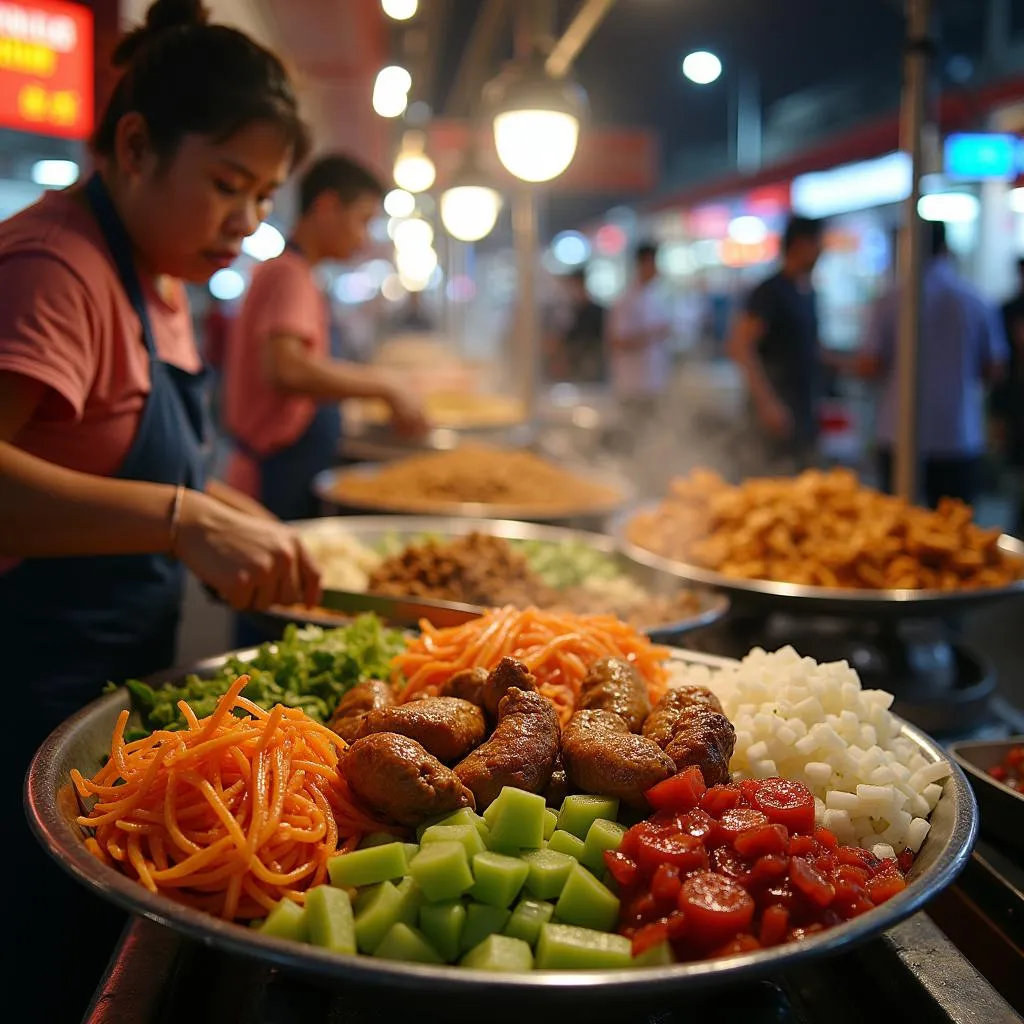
column 228, row 815
column 557, row 648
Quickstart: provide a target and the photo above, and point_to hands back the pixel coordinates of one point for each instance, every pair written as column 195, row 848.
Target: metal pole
column 915, row 85
column 584, row 24
column 526, row 354
column 749, row 129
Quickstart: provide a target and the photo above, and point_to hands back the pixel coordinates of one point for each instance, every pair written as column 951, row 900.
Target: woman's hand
column 408, row 416
column 252, row 562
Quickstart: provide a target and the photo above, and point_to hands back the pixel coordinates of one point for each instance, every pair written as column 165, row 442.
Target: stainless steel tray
column 325, row 484
column 82, row 741
column 1002, row 808
column 371, row 530
column 808, row 600
column 374, row 442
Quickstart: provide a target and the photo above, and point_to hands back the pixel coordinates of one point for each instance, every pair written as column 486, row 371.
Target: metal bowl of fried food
column 475, row 481
column 84, row 741
column 820, row 543
column 512, row 562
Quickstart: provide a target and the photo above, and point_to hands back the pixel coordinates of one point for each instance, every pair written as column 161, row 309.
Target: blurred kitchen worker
column 963, row 350
column 1011, row 392
column 282, row 389
column 639, row 329
column 577, row 341
column 774, row 341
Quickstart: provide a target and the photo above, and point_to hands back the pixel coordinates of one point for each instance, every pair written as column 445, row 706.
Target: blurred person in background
column 104, row 501
column 1009, row 396
column 576, row 345
column 282, row 388
column 637, row 340
column 412, row 317
column 963, row 350
column 774, row 341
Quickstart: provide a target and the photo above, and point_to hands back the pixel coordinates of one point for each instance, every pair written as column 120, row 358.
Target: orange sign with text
column 46, row 68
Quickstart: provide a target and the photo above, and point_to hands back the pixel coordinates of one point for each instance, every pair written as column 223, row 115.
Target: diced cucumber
column 656, row 956
column 580, row 811
column 548, row 871
column 603, row 835
column 527, row 918
column 482, row 920
column 586, row 902
column 329, row 919
column 377, row 912
column 412, row 900
column 411, row 849
column 517, row 822
column 465, row 834
column 286, row 921
column 442, row 871
column 375, row 839
column 365, row 867
column 500, row 953
column 405, row 943
column 550, row 822
column 498, row 878
column 442, row 924
column 567, row 948
column 465, row 816
column 565, row 842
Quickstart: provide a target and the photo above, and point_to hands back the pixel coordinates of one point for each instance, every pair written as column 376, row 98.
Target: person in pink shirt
column 281, row 388
column 103, row 498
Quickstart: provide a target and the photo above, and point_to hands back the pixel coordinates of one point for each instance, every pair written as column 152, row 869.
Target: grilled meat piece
column 356, row 704
column 467, row 685
column 509, row 674
column 603, row 757
column 612, row 684
column 704, row 738
column 558, row 788
column 521, row 752
column 447, row 727
column 661, row 722
column 396, row 777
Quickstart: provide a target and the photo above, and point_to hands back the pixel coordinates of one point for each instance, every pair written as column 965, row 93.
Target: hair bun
column 162, row 16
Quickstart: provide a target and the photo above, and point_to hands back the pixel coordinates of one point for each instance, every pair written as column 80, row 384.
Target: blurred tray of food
column 823, row 542
column 995, row 770
column 477, row 481
column 491, row 563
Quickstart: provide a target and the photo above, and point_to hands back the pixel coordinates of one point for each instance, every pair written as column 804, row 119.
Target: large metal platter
column 325, row 487
column 807, row 600
column 379, row 443
column 371, row 530
column 84, row 739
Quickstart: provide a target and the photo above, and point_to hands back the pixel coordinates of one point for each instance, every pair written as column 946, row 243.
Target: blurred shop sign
column 982, row 156
column 46, row 68
column 612, row 160
column 858, row 186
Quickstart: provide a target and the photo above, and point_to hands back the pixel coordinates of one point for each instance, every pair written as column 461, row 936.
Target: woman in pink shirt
column 103, row 498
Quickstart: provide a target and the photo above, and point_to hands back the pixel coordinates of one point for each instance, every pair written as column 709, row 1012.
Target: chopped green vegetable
column 309, row 668
column 329, row 919
column 377, row 909
column 566, row 948
column 364, row 867
column 580, row 811
column 601, row 836
column 550, row 822
column 500, row 953
column 565, row 842
column 442, row 924
column 586, row 902
column 568, row 563
column 481, row 921
column 527, row 919
column 498, row 878
column 548, row 871
column 465, row 834
column 286, row 921
column 442, row 871
column 516, row 819
column 405, row 943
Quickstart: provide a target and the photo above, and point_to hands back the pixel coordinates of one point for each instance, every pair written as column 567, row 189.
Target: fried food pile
column 822, row 529
column 475, row 473
column 488, row 730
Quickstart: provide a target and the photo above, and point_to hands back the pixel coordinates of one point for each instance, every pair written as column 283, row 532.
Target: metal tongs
column 402, row 611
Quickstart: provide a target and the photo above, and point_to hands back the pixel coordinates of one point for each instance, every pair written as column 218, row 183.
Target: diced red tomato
column 826, row 838
column 681, row 792
column 767, row 870
column 999, row 773
column 728, row 862
column 786, row 802
column 676, row 924
column 731, row 823
column 721, row 798
column 803, row 846
column 806, row 880
column 640, row 908
column 648, row 936
column 856, row 857
column 658, row 847
column 741, row 944
column 774, row 925
column 621, row 868
column 905, row 860
column 718, row 908
column 884, row 887
column 749, row 788
column 697, row 823
column 666, row 883
column 762, row 841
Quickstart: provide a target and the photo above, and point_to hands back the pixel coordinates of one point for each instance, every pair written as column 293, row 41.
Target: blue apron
column 67, row 625
column 286, row 475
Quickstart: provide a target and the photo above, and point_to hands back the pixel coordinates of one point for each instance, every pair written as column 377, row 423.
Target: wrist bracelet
column 179, row 497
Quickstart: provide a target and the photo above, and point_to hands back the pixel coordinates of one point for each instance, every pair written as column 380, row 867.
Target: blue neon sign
column 982, row 156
